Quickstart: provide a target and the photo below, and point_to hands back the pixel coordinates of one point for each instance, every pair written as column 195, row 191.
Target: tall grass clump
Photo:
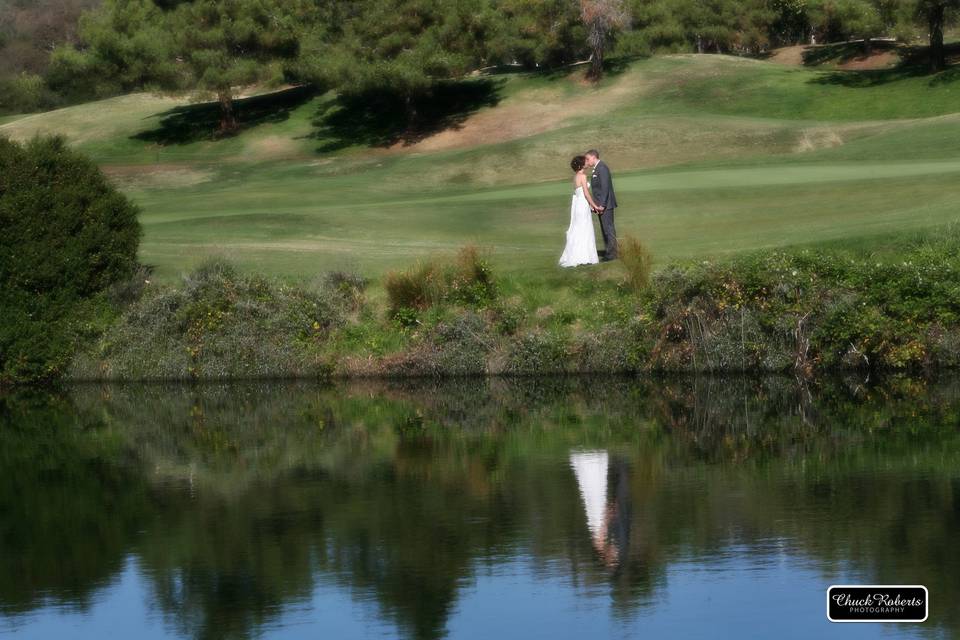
column 637, row 261
column 221, row 324
column 466, row 280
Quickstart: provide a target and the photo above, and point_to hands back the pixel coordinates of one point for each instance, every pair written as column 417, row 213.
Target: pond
column 558, row 508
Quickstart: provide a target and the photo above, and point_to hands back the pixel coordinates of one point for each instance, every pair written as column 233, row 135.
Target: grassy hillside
column 711, row 154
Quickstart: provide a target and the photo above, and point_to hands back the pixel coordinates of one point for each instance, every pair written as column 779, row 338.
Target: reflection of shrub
column 220, row 324
column 68, row 236
column 466, row 280
column 945, row 346
column 637, row 261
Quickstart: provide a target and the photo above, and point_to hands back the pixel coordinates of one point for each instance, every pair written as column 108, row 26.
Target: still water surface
column 574, row 508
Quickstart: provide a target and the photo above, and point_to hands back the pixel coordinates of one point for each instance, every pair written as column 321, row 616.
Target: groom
column 601, row 187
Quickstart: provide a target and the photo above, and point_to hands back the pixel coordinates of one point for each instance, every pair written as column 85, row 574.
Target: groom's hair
column 594, row 153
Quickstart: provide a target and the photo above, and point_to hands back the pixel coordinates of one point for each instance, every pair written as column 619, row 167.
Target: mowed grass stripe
column 525, row 237
column 324, row 195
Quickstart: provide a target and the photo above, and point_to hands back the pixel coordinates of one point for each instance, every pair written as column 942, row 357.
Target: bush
column 466, row 280
column 220, row 324
column 349, row 286
column 471, row 280
column 806, row 309
column 68, row 236
column 539, row 353
column 24, row 93
column 456, row 346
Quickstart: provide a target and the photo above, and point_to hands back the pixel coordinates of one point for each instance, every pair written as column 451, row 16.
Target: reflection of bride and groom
column 608, row 516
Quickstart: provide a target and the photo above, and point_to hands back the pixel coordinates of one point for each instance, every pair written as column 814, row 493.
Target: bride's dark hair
column 578, row 162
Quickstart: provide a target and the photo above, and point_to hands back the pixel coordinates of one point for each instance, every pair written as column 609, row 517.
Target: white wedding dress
column 581, row 242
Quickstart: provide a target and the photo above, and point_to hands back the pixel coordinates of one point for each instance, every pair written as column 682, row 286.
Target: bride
column 581, row 242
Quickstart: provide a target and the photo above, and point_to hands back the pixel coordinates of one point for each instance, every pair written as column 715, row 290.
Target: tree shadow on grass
column 197, row 122
column 383, row 118
column 612, row 67
column 914, row 63
column 846, row 52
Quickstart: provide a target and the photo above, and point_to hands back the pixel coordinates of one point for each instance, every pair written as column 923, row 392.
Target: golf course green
column 712, row 155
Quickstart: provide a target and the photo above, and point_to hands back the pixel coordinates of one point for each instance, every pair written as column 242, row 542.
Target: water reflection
column 608, row 518
column 437, row 510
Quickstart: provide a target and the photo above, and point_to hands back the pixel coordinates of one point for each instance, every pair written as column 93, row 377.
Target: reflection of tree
column 221, row 567
column 66, row 517
column 238, row 500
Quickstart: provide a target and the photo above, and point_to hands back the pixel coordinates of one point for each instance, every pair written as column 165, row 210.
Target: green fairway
column 711, row 155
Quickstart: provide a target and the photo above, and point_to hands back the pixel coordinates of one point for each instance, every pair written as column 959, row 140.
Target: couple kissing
column 590, row 196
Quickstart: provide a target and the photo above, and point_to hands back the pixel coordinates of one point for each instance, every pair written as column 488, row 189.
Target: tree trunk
column 410, row 106
column 228, row 116
column 596, row 63
column 935, row 17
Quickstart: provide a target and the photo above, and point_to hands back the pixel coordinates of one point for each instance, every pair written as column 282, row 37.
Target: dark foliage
column 68, row 236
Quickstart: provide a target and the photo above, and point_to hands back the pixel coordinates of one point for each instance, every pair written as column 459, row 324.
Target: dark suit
column 601, row 188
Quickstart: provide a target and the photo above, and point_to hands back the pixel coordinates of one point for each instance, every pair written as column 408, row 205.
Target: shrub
column 456, row 346
column 471, row 280
column 811, row 309
column 24, row 93
column 349, row 286
column 538, row 353
column 219, row 324
column 612, row 349
column 467, row 280
column 68, row 236
column 637, row 262
column 508, row 317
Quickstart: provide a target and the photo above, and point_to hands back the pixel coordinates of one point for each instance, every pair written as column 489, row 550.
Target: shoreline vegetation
column 806, row 311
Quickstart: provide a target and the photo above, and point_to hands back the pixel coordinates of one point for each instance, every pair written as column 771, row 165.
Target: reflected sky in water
column 516, row 598
column 684, row 508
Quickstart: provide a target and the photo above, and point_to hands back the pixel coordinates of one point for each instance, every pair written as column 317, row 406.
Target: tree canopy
column 402, row 46
column 405, row 47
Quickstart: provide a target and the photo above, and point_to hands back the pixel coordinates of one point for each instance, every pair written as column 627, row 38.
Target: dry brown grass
column 637, row 262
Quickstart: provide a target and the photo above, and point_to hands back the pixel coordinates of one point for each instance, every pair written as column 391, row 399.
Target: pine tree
column 404, row 47
column 208, row 46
